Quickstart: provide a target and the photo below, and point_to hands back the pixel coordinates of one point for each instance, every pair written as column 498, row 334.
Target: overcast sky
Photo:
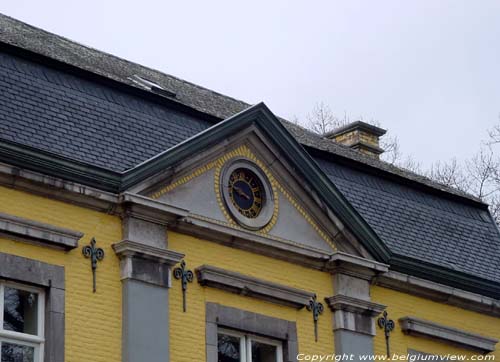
column 429, row 71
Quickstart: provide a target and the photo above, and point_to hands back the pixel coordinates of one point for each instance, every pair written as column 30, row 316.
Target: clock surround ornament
column 247, row 193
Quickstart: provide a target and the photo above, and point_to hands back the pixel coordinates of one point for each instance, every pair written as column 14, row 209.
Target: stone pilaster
column 353, row 312
column 145, row 264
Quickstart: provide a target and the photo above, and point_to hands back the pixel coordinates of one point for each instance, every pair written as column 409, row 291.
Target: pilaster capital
column 354, row 305
column 355, row 266
column 146, row 263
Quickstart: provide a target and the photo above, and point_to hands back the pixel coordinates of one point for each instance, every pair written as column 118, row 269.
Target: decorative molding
column 147, row 209
column 445, row 275
column 146, row 263
column 244, row 151
column 227, row 317
column 455, row 336
column 79, row 192
column 307, row 217
column 209, row 229
column 129, row 248
column 214, row 277
column 354, row 314
column 358, row 267
column 439, row 292
column 354, row 305
column 34, row 231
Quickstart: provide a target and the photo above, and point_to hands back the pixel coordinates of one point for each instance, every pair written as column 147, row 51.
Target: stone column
column 145, row 264
column 353, row 312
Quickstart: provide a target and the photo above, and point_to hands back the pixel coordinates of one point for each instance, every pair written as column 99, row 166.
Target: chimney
column 359, row 136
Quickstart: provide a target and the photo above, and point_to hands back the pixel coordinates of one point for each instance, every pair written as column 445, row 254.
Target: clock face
column 246, row 192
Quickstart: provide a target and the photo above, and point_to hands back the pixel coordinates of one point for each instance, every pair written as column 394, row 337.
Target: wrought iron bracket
column 316, row 308
column 95, row 255
column 388, row 326
column 186, row 276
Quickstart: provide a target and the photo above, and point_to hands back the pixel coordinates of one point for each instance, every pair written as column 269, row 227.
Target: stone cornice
column 148, row 209
column 439, row 292
column 420, row 327
column 257, row 288
column 133, row 249
column 181, row 220
column 354, row 305
column 34, row 231
column 243, row 239
column 57, row 188
column 355, row 266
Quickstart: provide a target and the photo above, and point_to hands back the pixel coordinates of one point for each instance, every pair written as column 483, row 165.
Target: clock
column 247, row 194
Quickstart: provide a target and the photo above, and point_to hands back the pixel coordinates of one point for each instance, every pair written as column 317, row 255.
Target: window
column 234, row 346
column 21, row 323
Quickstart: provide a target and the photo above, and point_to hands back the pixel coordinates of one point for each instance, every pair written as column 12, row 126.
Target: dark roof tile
column 25, row 36
column 425, row 227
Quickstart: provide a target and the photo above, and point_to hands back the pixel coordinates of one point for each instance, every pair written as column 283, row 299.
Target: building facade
column 145, row 218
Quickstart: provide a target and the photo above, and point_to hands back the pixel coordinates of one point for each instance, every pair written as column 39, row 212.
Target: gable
column 199, row 191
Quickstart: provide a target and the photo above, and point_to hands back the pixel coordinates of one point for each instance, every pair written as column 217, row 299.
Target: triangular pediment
column 199, row 190
column 297, row 213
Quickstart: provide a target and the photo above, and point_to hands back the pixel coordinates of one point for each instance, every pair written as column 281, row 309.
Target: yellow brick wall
column 93, row 321
column 401, row 305
column 187, row 337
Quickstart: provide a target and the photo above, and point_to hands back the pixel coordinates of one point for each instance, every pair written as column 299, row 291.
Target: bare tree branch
column 479, row 176
column 494, row 134
column 450, row 174
column 322, row 120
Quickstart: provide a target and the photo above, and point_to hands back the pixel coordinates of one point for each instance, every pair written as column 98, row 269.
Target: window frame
column 224, row 317
column 36, row 341
column 51, row 278
column 246, row 340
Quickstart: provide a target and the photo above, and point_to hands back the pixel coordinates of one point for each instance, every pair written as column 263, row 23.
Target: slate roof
column 16, row 33
column 80, row 119
column 108, row 127
column 420, row 225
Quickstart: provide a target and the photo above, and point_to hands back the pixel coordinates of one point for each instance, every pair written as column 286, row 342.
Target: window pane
column 20, row 311
column 17, row 353
column 262, row 352
column 229, row 348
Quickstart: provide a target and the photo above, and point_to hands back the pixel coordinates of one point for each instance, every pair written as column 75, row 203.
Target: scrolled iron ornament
column 95, row 255
column 316, row 308
column 388, row 326
column 186, row 276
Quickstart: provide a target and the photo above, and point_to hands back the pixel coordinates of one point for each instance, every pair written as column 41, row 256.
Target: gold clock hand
column 241, row 192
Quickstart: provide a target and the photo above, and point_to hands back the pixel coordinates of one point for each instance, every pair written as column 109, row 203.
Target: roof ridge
column 214, row 106
column 103, row 52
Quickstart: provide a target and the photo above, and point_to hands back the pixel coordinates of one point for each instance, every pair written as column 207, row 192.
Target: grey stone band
column 34, row 231
column 420, row 327
column 246, row 285
column 221, row 316
column 439, row 292
column 50, row 277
